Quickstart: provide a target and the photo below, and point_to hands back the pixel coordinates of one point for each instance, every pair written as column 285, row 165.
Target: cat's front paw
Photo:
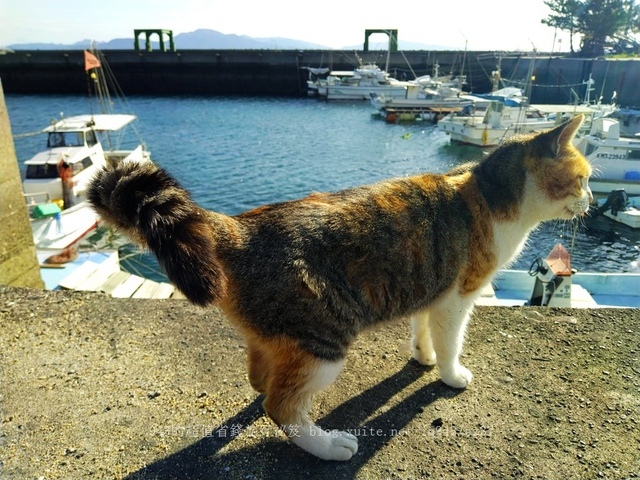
column 326, row 444
column 458, row 377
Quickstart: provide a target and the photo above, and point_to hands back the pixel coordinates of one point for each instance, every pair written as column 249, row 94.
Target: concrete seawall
column 281, row 72
column 96, row 387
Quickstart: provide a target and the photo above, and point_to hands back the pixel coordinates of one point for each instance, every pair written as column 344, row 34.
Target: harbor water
column 237, row 153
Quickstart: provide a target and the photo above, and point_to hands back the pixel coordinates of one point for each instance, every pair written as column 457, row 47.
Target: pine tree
column 601, row 23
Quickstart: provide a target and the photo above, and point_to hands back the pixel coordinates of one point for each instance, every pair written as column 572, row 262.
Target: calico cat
column 301, row 278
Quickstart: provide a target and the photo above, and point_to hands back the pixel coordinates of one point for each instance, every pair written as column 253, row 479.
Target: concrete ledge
column 96, row 387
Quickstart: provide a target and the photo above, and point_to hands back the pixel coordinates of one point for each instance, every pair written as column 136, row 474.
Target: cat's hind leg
column 421, row 343
column 258, row 368
column 447, row 324
column 294, row 376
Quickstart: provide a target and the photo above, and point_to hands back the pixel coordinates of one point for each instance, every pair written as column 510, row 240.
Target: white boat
column 508, row 112
column 501, row 120
column 505, row 117
column 619, row 207
column 629, row 119
column 552, row 283
column 357, row 84
column 583, row 290
column 424, row 100
column 615, row 158
column 56, row 178
column 316, row 76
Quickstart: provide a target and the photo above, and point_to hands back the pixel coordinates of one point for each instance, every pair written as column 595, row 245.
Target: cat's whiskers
column 576, row 225
column 596, row 171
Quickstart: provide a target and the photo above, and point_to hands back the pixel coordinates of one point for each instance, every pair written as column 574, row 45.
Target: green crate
column 45, row 210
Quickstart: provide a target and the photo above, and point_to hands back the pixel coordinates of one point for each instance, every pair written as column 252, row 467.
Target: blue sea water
column 237, row 153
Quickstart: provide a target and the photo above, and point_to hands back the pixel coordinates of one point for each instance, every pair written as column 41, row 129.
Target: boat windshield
column 66, row 139
column 42, row 171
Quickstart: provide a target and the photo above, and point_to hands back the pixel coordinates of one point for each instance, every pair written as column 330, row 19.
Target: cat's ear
column 562, row 134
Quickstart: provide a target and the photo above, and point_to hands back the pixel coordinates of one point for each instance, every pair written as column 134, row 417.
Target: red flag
column 90, row 61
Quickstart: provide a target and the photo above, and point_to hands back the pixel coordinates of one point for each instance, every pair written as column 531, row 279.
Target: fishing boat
column 504, row 113
column 551, row 282
column 424, row 100
column 619, row 207
column 317, row 76
column 615, row 158
column 357, row 84
column 500, row 120
column 629, row 119
column 76, row 148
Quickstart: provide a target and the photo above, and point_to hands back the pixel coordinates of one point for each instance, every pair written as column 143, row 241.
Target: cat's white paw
column 424, row 356
column 458, row 377
column 326, row 444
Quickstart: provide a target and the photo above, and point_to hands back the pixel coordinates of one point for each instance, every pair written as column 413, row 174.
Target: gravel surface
column 95, row 387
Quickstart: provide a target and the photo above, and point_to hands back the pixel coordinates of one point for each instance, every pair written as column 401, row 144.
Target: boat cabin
column 615, row 158
column 73, row 154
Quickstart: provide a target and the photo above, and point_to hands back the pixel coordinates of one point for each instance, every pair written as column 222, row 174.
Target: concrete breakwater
column 282, row 72
column 97, row 387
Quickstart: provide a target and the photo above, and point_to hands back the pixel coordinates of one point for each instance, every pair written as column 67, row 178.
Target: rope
column 538, row 85
column 30, row 134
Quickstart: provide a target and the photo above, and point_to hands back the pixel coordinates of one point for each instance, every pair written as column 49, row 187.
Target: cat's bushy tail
column 149, row 206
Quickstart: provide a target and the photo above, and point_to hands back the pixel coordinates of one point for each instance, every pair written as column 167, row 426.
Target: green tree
column 565, row 16
column 601, row 23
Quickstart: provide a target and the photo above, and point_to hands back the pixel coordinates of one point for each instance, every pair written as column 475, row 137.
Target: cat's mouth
column 578, row 212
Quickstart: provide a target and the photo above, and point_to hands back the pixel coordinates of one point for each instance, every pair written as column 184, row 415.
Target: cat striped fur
column 302, row 278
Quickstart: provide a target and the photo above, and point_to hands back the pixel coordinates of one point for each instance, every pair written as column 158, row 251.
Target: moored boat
column 426, row 102
column 56, row 178
column 357, row 84
column 615, row 158
column 500, row 120
column 551, row 282
column 619, row 207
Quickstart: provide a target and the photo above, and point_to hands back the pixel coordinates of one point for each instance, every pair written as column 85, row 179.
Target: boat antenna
column 464, row 57
column 589, row 83
column 386, row 67
column 528, row 87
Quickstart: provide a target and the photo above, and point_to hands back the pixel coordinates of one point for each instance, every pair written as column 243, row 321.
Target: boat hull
column 475, row 132
column 345, row 92
column 589, row 290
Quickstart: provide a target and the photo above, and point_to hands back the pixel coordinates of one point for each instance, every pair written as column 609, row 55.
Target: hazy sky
column 483, row 25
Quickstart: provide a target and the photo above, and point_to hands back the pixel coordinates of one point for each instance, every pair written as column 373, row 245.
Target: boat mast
column 527, row 95
column 97, row 82
column 386, row 67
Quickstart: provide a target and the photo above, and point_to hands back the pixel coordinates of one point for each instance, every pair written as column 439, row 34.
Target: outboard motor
column 616, row 201
column 552, row 287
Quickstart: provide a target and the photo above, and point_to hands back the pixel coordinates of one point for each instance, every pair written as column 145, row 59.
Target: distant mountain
column 212, row 39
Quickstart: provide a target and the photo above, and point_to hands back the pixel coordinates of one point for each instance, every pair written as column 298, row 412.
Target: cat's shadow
column 280, row 459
